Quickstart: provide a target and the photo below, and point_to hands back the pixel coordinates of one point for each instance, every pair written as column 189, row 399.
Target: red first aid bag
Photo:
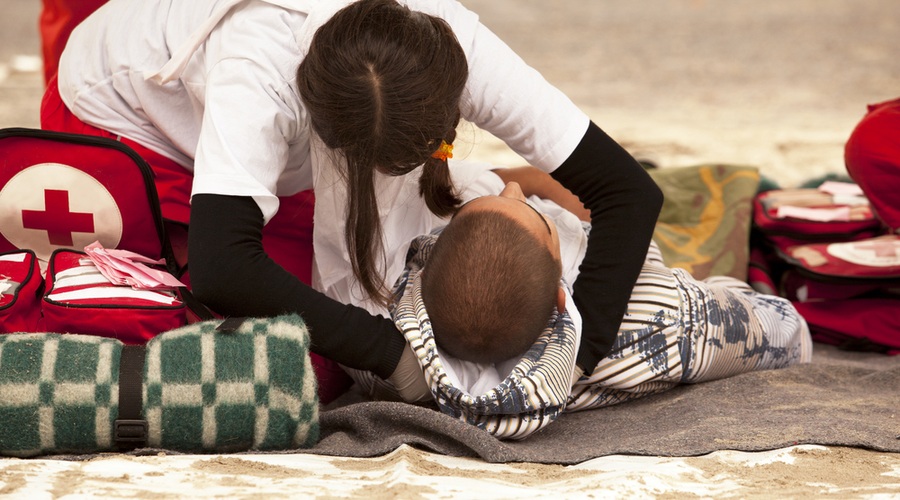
column 61, row 191
column 860, row 324
column 80, row 299
column 834, row 261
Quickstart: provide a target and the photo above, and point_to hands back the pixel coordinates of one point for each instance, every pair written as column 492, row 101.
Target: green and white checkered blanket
column 203, row 390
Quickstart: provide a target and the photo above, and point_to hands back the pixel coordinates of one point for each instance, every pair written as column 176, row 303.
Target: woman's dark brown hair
column 382, row 86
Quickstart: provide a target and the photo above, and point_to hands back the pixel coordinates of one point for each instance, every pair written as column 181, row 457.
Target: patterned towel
column 203, row 390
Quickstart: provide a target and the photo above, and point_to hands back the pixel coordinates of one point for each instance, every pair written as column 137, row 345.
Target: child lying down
column 486, row 306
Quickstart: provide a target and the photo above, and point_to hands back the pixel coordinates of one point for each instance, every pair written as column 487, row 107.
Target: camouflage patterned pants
column 681, row 330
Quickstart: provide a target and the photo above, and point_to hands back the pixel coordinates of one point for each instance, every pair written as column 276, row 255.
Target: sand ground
column 771, row 83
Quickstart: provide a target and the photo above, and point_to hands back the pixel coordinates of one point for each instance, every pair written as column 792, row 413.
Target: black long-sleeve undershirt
column 235, row 277
column 624, row 203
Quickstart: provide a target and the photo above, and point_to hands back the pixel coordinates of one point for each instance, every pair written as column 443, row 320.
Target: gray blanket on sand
column 840, row 399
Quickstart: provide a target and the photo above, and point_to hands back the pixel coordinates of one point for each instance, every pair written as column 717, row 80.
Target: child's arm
column 536, row 182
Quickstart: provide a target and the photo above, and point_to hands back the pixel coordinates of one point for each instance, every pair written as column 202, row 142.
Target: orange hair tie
column 443, row 152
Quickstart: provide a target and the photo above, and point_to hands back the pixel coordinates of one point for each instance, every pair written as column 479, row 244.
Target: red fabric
column 823, row 259
column 796, row 286
column 872, row 157
column 865, row 324
column 131, row 320
column 287, row 238
column 786, row 232
column 57, row 20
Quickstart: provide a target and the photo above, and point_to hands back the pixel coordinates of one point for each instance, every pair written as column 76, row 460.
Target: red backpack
column 60, row 192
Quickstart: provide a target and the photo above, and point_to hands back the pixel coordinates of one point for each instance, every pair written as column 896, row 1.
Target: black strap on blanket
column 195, row 306
column 130, row 430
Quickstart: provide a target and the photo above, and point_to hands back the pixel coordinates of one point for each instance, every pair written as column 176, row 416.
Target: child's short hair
column 489, row 287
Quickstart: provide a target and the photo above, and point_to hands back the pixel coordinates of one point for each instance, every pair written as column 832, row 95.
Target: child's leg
column 766, row 310
column 654, row 255
column 728, row 281
column 735, row 330
column 646, row 355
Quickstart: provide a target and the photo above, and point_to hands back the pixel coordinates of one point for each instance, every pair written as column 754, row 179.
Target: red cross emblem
column 882, row 248
column 50, row 205
column 56, row 218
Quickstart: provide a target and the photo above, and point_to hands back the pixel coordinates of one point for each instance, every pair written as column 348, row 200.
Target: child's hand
column 536, row 182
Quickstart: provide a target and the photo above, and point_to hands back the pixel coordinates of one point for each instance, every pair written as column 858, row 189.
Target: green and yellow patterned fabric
column 704, row 225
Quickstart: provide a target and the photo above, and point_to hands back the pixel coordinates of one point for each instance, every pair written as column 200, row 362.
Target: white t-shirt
column 211, row 84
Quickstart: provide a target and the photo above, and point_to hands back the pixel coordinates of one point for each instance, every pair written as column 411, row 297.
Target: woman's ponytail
column 435, row 184
column 380, row 82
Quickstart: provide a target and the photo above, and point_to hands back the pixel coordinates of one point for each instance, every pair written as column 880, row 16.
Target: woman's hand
column 535, row 182
column 409, row 380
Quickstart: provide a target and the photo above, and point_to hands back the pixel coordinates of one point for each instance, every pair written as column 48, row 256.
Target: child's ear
column 560, row 300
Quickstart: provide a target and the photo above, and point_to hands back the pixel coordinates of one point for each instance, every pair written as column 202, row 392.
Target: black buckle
column 230, row 325
column 130, row 433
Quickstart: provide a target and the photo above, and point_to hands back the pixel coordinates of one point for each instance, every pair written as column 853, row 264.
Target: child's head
column 382, row 86
column 493, row 278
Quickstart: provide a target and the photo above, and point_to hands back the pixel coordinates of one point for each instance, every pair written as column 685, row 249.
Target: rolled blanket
column 203, row 391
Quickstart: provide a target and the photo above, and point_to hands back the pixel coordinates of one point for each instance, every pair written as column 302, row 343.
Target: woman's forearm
column 624, row 203
column 231, row 273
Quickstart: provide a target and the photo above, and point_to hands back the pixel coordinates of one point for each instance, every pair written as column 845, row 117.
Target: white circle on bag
column 874, row 252
column 50, row 205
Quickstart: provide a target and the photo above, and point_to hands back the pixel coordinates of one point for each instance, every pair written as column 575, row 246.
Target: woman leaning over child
column 244, row 106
